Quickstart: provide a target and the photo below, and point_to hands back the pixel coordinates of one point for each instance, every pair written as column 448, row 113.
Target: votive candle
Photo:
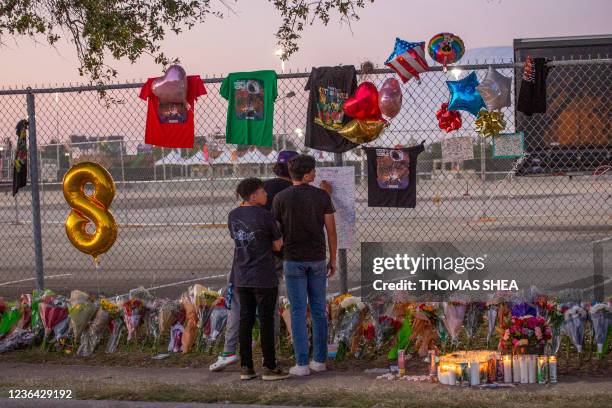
column 524, row 369
column 542, row 370
column 474, row 373
column 516, row 369
column 531, row 361
column 552, row 369
column 507, row 369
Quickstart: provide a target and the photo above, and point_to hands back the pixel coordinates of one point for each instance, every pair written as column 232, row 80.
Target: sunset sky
column 245, row 41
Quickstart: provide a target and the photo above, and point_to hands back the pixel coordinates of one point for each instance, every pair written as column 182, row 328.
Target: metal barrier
column 172, row 211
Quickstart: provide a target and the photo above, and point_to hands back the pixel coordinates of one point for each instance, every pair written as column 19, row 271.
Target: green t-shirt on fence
column 250, row 110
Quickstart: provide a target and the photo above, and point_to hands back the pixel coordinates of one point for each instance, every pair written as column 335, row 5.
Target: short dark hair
column 247, row 187
column 281, row 170
column 301, row 165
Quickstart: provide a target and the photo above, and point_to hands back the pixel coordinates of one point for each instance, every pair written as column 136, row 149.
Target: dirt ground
column 134, row 376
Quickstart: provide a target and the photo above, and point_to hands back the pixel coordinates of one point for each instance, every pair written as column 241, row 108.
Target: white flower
column 575, row 312
column 601, row 308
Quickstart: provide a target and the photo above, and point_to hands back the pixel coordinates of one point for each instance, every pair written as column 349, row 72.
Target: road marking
column 31, row 279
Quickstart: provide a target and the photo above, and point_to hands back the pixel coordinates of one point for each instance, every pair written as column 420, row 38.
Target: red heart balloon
column 364, row 104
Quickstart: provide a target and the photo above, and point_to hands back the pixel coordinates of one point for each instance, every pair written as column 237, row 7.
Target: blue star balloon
column 464, row 95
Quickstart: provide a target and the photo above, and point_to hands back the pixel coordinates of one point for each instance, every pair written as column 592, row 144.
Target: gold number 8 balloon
column 90, row 208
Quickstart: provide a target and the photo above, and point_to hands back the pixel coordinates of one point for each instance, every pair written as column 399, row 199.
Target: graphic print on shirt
column 392, row 169
column 249, row 99
column 169, row 112
column 329, row 107
column 242, row 235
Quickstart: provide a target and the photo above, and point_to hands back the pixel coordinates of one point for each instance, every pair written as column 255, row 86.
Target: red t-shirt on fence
column 171, row 124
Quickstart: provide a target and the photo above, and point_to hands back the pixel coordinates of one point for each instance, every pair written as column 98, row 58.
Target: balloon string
column 96, row 262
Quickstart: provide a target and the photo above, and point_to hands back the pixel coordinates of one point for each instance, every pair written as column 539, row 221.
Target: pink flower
column 506, row 335
column 538, row 333
column 515, row 342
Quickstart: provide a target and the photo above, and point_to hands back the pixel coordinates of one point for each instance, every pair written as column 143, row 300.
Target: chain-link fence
column 172, row 205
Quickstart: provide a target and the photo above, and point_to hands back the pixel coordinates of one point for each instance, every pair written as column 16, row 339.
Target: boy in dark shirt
column 255, row 235
column 305, row 213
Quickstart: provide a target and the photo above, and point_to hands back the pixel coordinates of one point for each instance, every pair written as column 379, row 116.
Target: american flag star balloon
column 408, row 59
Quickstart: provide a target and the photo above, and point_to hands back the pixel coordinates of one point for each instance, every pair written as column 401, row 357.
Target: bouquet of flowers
column 491, row 320
column 424, row 331
column 334, row 313
column 473, row 318
column 168, row 314
column 217, row 322
column 92, row 336
column 176, row 338
column 454, row 313
column 17, row 339
column 133, row 310
column 526, row 331
column 9, row 319
column 153, row 309
column 115, row 327
column 555, row 319
column 80, row 311
column 385, row 326
column 53, row 311
column 573, row 325
column 190, row 328
column 351, row 316
column 601, row 318
column 544, row 306
column 204, row 300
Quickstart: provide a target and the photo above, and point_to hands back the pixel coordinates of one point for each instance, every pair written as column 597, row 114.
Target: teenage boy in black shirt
column 255, row 235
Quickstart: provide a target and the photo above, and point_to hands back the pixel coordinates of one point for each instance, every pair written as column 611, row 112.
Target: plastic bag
column 92, row 336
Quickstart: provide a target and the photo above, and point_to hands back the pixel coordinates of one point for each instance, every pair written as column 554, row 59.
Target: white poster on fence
column 342, row 180
column 457, row 149
column 509, row 145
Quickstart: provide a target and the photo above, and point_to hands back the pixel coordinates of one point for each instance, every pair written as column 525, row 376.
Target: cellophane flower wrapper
column 9, row 319
column 334, row 312
column 204, row 300
column 115, row 327
column 351, row 318
column 573, row 325
column 62, row 330
column 384, row 325
column 53, row 311
column 473, row 318
column 190, row 327
column 218, row 320
column 153, row 308
column 601, row 316
column 284, row 309
column 176, row 338
column 133, row 310
column 16, row 340
column 454, row 313
column 80, row 312
column 491, row 321
column 168, row 314
column 92, row 336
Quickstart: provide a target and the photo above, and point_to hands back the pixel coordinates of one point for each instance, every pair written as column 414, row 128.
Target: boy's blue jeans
column 307, row 284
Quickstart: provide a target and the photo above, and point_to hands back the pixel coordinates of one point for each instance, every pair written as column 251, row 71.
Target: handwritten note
column 342, row 180
column 509, row 145
column 457, row 149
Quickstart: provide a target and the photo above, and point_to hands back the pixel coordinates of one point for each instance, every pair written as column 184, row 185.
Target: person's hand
column 326, row 186
column 331, row 268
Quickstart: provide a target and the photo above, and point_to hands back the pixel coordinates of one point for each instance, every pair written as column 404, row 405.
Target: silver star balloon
column 495, row 90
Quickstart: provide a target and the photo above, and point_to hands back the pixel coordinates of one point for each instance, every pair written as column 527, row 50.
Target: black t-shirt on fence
column 273, row 187
column 392, row 176
column 301, row 212
column 253, row 229
column 329, row 87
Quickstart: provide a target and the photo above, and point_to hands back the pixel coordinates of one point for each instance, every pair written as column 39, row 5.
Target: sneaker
column 299, row 370
column 247, row 373
column 317, row 367
column 274, row 375
column 224, row 360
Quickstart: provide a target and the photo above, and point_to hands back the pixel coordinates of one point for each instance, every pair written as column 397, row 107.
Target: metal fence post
column 598, row 269
column 342, row 261
column 36, row 223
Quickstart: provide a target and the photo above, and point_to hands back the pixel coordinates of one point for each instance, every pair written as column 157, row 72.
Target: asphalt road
column 540, row 231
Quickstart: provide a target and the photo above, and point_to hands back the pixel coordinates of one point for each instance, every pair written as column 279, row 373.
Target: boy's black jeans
column 252, row 300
